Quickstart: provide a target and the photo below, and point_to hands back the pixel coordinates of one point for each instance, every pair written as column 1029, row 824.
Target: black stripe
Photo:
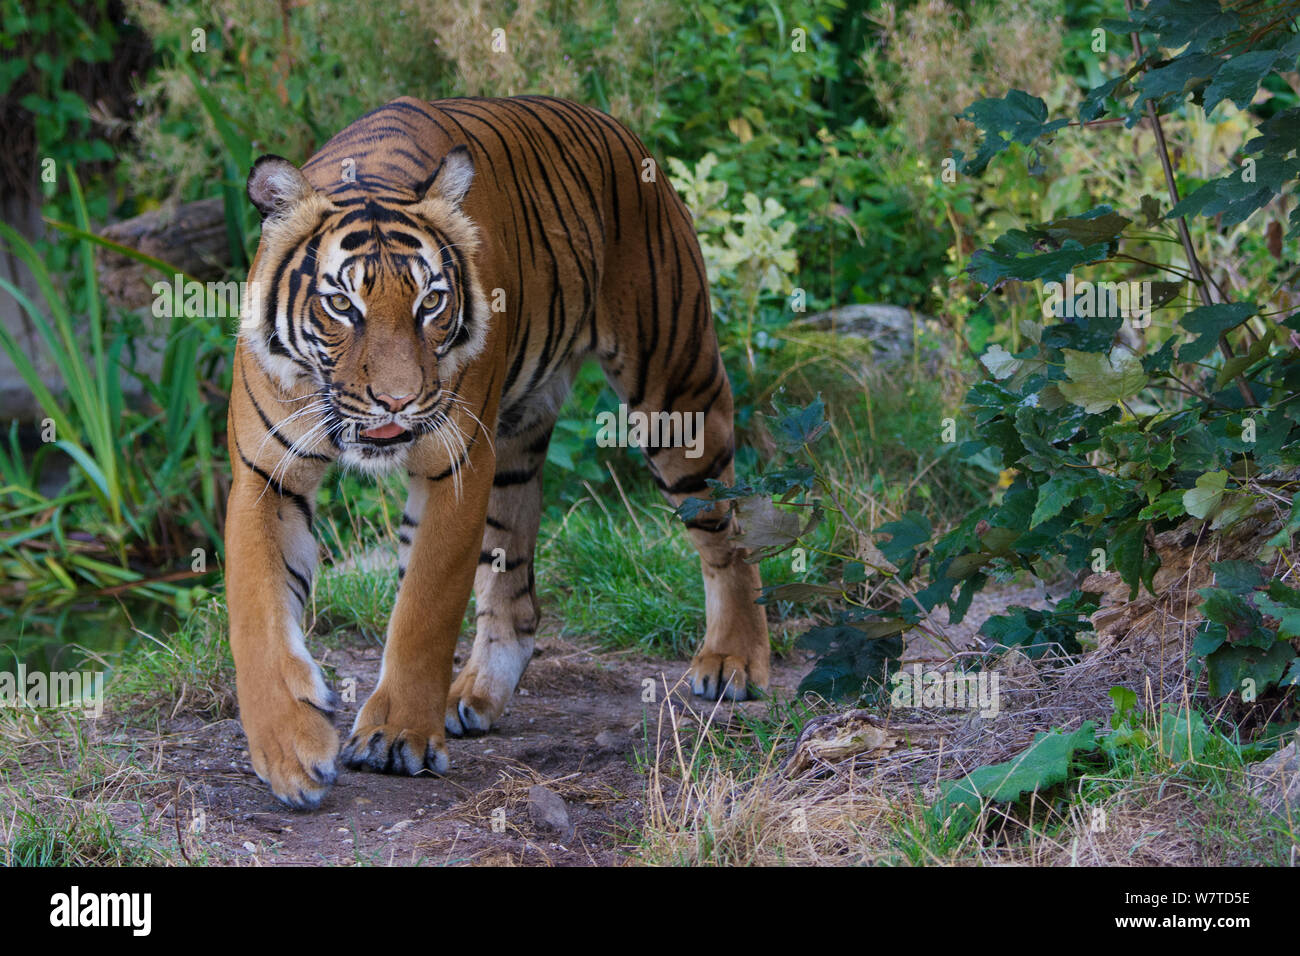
column 274, row 429
column 486, row 557
column 303, row 583
column 298, row 500
column 711, row 525
column 504, row 479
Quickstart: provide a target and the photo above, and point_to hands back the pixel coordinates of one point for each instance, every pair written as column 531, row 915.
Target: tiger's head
column 370, row 298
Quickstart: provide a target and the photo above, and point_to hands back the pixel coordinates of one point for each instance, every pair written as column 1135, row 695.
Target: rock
column 613, row 741
column 889, row 328
column 547, row 809
column 1276, row 782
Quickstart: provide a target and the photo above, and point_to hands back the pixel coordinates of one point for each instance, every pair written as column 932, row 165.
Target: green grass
column 625, row 573
column 356, row 599
column 190, row 668
column 1145, row 794
column 70, row 796
column 70, row 833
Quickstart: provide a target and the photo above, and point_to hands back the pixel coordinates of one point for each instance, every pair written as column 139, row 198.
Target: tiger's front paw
column 384, row 743
column 735, row 676
column 287, row 712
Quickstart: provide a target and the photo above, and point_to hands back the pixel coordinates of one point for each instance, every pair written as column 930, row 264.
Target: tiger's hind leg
column 505, row 594
column 692, row 391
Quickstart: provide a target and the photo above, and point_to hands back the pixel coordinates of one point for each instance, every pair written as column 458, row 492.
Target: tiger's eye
column 431, row 301
column 340, row 302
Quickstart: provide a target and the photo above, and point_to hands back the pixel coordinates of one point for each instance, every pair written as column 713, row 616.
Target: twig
column 1193, row 263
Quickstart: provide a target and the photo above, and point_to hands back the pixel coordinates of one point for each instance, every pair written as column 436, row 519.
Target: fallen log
column 191, row 236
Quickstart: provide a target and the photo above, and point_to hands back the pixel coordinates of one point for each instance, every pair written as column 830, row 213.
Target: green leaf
column 1202, row 500
column 1208, row 322
column 964, row 565
column 1232, row 665
column 1238, row 364
column 1097, row 382
column 1000, row 363
column 1243, row 190
column 798, row 427
column 1014, row 255
column 1196, row 24
column 1021, row 117
column 1045, row 763
column 1055, row 493
column 1130, row 557
column 1123, row 700
column 1094, row 104
column 1179, row 76
column 1239, row 78
column 907, row 534
column 1235, row 507
column 1168, row 504
column 1237, row 575
column 1096, row 225
column 1151, row 210
column 850, row 659
column 1183, row 734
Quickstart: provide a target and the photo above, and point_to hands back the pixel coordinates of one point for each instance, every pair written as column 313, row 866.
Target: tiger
column 424, row 290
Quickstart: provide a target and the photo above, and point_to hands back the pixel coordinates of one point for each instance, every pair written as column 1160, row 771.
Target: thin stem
column 1193, row 263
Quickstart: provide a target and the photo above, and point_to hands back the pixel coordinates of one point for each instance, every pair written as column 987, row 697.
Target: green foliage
column 135, row 475
column 1105, row 441
column 1048, row 761
column 1246, row 637
column 747, row 253
column 1037, row 631
column 45, row 44
column 70, row 833
column 192, row 668
column 601, row 579
column 1170, row 738
column 359, row 599
column 1111, row 443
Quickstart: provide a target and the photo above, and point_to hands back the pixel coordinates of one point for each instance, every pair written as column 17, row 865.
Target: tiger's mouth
column 390, row 434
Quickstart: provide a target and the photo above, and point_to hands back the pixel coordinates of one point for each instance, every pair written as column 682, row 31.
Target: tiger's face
column 370, row 300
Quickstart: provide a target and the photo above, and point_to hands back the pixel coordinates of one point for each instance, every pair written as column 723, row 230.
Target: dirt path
column 576, row 726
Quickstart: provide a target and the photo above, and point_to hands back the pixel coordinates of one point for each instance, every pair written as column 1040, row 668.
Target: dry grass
column 935, row 60
column 873, row 808
column 71, row 796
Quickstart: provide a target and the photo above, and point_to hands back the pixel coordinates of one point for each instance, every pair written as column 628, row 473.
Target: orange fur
column 427, row 285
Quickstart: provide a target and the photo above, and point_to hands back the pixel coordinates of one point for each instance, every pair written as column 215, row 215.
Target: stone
column 547, row 809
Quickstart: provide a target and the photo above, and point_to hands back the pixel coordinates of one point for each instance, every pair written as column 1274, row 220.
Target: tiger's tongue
column 391, row 430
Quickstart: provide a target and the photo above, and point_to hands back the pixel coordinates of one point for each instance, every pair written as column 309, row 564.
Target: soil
column 577, row 726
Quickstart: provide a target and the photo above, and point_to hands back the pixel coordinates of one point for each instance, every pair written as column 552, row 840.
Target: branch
column 1193, row 263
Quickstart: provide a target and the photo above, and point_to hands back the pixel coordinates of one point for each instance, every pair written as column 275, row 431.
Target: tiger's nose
column 394, row 403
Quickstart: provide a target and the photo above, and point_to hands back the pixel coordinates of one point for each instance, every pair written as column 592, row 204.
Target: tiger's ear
column 452, row 179
column 276, row 185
